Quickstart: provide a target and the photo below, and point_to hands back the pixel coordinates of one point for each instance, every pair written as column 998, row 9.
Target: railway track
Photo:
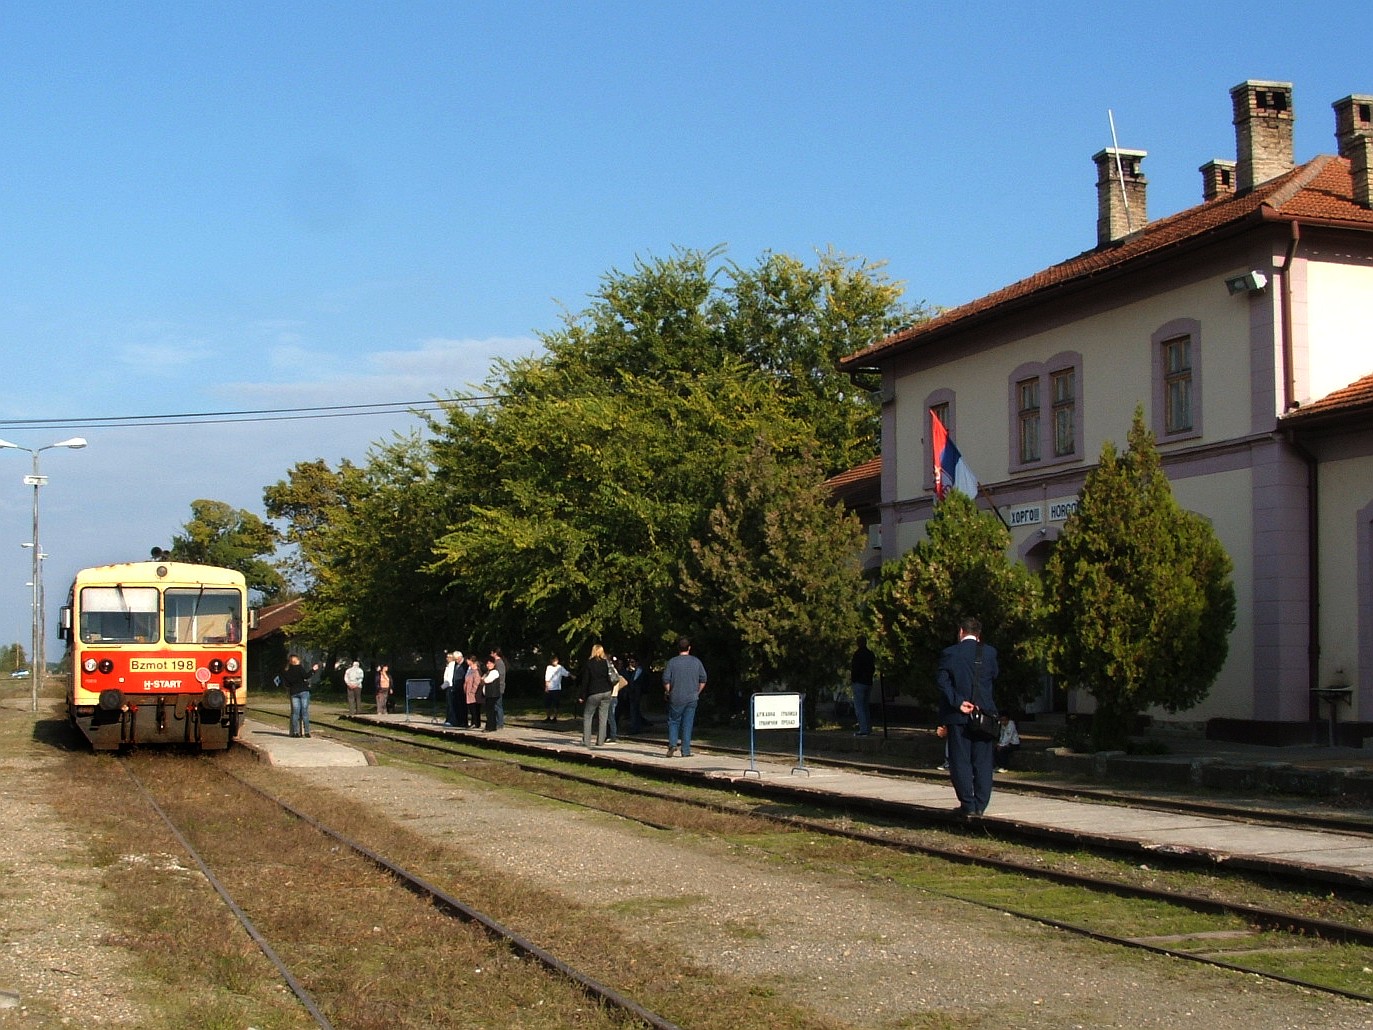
column 1231, row 926
column 439, row 899
column 1003, row 828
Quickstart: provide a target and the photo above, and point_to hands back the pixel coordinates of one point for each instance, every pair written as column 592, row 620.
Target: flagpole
column 997, row 511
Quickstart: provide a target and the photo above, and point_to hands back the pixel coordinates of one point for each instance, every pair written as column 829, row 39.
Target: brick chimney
column 1263, row 131
column 1354, row 134
column 1217, row 179
column 1120, row 202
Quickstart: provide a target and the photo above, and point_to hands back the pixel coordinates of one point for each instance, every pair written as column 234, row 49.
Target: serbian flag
column 950, row 470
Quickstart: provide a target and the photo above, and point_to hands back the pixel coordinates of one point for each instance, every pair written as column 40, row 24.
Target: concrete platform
column 1319, row 855
column 277, row 747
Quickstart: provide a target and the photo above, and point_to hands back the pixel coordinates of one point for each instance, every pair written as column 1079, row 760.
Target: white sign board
column 776, row 711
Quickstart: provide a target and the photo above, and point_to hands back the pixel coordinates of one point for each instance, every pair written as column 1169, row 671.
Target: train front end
column 158, row 655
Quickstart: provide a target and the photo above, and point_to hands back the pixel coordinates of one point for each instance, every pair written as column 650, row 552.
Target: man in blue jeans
column 684, row 677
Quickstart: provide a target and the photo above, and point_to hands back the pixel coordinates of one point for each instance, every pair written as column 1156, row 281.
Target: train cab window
column 118, row 615
column 202, row 615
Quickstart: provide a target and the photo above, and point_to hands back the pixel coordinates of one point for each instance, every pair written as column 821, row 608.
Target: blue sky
column 228, row 206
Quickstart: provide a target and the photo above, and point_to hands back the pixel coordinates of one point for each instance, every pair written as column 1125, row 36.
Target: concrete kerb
column 1214, row 773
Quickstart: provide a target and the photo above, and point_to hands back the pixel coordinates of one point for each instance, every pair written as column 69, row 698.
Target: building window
column 1046, row 412
column 1177, row 384
column 1028, row 391
column 1065, row 407
column 941, row 412
column 1177, row 407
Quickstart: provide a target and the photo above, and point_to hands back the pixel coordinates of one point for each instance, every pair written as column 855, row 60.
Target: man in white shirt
column 452, row 688
column 352, row 681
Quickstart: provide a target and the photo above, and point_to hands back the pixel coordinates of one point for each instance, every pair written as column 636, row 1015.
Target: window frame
column 1050, row 409
column 1169, row 332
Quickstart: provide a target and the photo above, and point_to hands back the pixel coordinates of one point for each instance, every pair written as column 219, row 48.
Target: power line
column 190, row 418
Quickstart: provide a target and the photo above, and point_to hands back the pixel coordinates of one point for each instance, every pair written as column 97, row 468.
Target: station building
column 1243, row 326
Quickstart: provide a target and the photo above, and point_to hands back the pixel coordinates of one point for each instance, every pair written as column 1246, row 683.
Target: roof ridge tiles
column 1297, row 193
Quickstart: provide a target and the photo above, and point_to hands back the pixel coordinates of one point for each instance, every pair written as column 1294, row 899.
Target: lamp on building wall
column 1251, row 282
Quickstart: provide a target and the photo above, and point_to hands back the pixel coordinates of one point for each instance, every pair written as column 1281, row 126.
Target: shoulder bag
column 982, row 724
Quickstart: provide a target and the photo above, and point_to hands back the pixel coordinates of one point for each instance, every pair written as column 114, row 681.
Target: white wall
column 1339, row 326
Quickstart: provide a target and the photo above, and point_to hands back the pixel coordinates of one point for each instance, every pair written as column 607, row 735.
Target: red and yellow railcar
column 157, row 654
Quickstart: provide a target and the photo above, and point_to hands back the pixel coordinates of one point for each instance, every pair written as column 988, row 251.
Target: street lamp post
column 37, row 661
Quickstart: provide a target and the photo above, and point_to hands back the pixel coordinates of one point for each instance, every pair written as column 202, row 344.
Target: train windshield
column 202, row 615
column 118, row 615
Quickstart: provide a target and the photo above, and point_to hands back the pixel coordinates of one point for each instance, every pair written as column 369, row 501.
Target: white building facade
column 1222, row 322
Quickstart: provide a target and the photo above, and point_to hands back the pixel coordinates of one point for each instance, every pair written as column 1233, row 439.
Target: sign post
column 417, row 690
column 776, row 712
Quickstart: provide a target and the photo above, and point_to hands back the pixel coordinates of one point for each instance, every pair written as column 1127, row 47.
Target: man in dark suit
column 966, row 672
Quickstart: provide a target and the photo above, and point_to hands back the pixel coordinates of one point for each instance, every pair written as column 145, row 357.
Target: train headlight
column 106, row 666
column 216, row 666
column 88, row 665
column 232, row 665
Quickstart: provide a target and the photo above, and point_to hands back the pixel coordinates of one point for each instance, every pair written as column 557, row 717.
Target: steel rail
column 1273, row 918
column 452, row 906
column 1270, row 918
column 1000, row 827
column 1255, row 816
column 297, row 988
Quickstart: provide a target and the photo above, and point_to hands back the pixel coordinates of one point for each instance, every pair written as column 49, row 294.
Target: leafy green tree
column 366, row 537
column 570, row 515
column 672, row 319
column 1139, row 592
column 217, row 534
column 961, row 568
column 308, row 501
column 776, row 581
column 572, row 502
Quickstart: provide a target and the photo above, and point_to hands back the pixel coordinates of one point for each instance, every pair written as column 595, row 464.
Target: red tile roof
column 1319, row 191
column 860, row 486
column 868, row 470
column 1349, row 401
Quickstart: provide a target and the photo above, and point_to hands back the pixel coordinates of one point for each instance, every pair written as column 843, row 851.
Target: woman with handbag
column 967, row 670
column 597, row 689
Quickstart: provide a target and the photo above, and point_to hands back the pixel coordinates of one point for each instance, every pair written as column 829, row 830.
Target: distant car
column 19, row 674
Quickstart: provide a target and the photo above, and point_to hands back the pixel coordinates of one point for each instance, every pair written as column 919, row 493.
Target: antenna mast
column 1120, row 172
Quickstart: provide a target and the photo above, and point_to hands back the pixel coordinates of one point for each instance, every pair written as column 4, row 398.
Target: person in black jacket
column 966, row 672
column 597, row 686
column 296, row 679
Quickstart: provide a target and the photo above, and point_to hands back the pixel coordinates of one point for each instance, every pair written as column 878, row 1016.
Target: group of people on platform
column 606, row 681
column 467, row 686
column 473, row 688
column 474, row 693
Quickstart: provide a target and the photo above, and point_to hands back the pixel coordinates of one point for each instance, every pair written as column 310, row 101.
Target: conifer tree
column 961, row 568
column 1140, row 602
column 777, row 582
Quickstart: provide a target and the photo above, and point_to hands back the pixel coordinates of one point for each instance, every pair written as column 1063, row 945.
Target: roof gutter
column 1313, row 565
column 1289, row 374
